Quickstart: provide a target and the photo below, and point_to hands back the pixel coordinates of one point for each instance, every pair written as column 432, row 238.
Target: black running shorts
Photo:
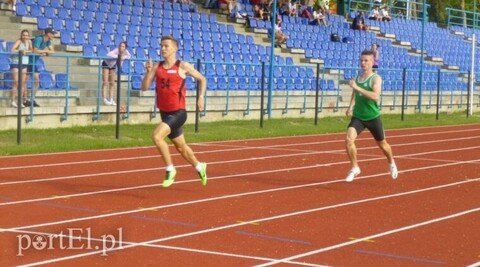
column 175, row 121
column 375, row 126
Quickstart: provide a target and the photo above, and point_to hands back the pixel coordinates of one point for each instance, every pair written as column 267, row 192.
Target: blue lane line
column 5, row 198
column 67, row 207
column 273, row 237
column 60, row 206
column 399, row 257
column 133, row 216
column 163, row 220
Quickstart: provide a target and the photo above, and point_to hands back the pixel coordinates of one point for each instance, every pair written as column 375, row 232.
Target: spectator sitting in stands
column 374, row 14
column 283, row 8
column 376, row 55
column 325, row 5
column 211, row 4
column 259, row 13
column 293, row 9
column 280, row 37
column 384, row 14
column 14, row 4
column 318, row 17
column 266, row 5
column 359, row 22
column 304, row 12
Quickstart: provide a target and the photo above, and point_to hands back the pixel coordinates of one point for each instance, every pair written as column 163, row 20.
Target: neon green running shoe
column 203, row 173
column 169, row 178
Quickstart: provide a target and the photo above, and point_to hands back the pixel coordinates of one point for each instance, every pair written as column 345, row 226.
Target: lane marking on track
column 101, row 216
column 185, row 249
column 393, row 231
column 394, row 256
column 390, row 131
column 237, row 148
column 243, row 175
column 271, row 237
column 342, row 151
column 288, row 259
column 248, row 223
column 367, row 241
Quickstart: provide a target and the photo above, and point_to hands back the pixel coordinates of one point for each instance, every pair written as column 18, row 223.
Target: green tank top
column 365, row 109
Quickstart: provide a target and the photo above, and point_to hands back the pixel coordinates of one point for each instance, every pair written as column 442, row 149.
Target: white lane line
column 223, row 162
column 215, row 229
column 375, row 236
column 449, row 163
column 236, row 148
column 79, row 238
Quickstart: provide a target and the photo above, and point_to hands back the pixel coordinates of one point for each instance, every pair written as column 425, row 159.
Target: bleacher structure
column 230, row 56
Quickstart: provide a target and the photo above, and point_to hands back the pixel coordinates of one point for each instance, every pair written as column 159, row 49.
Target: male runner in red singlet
column 170, row 77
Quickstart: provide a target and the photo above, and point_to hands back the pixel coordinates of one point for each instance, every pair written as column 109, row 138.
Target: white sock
column 169, row 168
column 198, row 167
column 392, row 163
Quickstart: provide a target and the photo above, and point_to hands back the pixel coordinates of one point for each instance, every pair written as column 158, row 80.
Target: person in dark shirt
column 359, row 22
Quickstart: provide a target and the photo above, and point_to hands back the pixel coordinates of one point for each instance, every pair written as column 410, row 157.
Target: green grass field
column 101, row 137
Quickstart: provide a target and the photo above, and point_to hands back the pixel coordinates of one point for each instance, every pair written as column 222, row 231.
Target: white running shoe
column 112, row 102
column 393, row 171
column 14, row 104
column 352, row 174
column 106, row 102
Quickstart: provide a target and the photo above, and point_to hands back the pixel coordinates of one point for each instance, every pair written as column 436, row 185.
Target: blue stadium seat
column 212, row 83
column 222, row 83
column 8, row 80
column 300, row 84
column 79, row 38
column 46, row 80
column 140, row 53
column 36, row 11
column 190, row 83
column 4, row 64
column 61, row 82
column 88, row 51
column 49, row 12
column 71, row 25
column 138, row 67
column 42, row 23
column 290, row 84
column 232, row 83
column 243, row 83
column 136, row 82
column 125, row 67
column 57, row 24
column 68, row 4
column 22, row 10
column 66, row 38
column 280, row 83
column 254, row 84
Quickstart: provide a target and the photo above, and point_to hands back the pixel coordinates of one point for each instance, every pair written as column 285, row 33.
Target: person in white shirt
column 292, row 9
column 280, row 37
column 374, row 14
column 318, row 17
column 108, row 71
column 384, row 14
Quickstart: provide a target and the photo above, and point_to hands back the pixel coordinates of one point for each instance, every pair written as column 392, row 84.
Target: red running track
column 277, row 201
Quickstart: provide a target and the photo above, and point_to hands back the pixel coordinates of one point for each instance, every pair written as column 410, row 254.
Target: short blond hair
column 171, row 38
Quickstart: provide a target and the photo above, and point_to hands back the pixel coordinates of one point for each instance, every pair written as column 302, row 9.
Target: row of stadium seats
column 251, row 83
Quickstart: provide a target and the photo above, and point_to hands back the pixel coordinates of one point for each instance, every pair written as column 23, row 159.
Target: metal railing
column 326, row 89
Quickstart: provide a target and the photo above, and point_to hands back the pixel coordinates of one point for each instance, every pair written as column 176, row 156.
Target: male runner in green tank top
column 367, row 88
